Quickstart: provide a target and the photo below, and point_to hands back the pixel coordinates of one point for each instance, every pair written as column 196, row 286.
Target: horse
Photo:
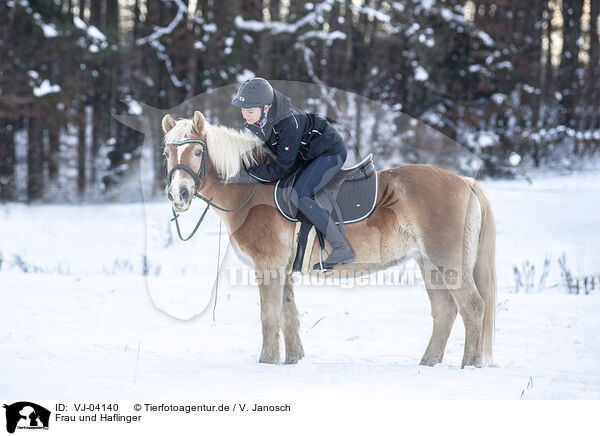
column 441, row 220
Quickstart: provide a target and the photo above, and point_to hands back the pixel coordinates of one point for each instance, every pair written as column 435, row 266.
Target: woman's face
column 252, row 115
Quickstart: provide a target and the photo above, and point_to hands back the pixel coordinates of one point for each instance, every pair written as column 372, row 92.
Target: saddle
column 350, row 197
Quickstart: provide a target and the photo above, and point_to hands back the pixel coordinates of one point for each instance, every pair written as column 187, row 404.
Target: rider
column 297, row 139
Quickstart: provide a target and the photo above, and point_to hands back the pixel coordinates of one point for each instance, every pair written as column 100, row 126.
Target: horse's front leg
column 291, row 324
column 270, row 285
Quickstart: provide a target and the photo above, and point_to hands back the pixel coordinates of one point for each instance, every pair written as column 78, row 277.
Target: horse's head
column 185, row 152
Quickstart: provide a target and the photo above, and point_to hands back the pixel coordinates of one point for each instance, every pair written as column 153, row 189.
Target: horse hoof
column 473, row 363
column 294, row 358
column 269, row 359
column 429, row 362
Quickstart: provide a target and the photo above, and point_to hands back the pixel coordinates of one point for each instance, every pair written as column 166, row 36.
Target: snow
column 376, row 13
column 487, row 39
column 253, row 25
column 134, row 107
column 49, row 30
column 432, row 118
column 448, row 15
column 210, row 27
column 427, row 4
column 421, row 75
column 328, row 37
column 498, row 98
column 412, row 29
column 429, row 42
column 244, row 75
column 77, row 317
column 486, row 139
column 397, row 6
column 514, row 158
column 79, row 23
column 92, row 31
column 45, row 88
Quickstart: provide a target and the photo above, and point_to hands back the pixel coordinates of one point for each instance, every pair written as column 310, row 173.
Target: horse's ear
column 167, row 123
column 199, row 122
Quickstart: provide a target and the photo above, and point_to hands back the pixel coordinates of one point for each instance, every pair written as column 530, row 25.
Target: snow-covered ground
column 79, row 320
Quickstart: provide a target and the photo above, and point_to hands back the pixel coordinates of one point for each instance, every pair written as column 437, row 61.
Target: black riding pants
column 316, row 175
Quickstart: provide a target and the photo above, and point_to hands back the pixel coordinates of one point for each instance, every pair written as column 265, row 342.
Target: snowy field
column 79, row 319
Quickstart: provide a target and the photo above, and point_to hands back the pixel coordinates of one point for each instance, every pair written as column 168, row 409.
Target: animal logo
column 26, row 415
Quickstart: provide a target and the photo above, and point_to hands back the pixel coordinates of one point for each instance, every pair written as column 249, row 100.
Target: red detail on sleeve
column 286, row 148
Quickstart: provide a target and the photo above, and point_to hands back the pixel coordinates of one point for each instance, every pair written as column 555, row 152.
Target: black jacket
column 294, row 137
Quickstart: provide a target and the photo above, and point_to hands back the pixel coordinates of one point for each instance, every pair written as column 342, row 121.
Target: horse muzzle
column 180, row 197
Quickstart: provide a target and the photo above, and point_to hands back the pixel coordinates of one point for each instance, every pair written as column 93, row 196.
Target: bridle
column 198, row 177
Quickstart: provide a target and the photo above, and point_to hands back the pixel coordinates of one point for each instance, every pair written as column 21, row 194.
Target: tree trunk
column 7, row 160
column 569, row 62
column 81, row 152
column 53, row 152
column 358, row 127
column 593, row 70
column 82, row 5
column 35, row 160
column 96, row 13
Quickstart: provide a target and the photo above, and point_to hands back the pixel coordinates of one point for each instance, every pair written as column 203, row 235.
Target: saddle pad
column 354, row 191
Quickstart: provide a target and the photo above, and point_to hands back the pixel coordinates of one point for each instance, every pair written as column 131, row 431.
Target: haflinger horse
column 441, row 220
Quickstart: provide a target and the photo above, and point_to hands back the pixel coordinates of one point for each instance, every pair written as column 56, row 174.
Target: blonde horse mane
column 229, row 150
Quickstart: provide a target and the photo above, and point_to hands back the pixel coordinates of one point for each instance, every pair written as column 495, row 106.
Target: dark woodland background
column 515, row 82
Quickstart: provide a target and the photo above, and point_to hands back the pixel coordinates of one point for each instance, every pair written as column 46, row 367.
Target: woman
column 298, row 140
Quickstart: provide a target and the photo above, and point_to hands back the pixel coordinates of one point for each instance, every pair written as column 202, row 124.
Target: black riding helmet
column 255, row 92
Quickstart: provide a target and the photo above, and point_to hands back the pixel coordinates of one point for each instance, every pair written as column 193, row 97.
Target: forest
column 515, row 83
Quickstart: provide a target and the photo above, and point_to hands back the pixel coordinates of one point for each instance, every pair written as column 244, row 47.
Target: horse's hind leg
column 443, row 311
column 291, row 324
column 471, row 307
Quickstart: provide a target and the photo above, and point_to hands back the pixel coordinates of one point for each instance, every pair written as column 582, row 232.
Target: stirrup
column 319, row 266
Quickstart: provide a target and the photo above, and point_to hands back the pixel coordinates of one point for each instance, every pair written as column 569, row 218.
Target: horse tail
column 484, row 273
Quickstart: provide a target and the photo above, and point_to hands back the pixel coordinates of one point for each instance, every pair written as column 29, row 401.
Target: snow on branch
column 49, row 29
column 182, row 10
column 308, row 27
column 328, row 37
column 314, row 18
column 161, row 52
column 160, row 31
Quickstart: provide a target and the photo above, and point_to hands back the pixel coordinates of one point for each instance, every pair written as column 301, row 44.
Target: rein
column 197, row 177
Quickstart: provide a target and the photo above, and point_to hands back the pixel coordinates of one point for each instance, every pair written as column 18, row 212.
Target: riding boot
column 342, row 252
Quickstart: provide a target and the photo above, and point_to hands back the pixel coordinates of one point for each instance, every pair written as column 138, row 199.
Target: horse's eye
column 198, row 152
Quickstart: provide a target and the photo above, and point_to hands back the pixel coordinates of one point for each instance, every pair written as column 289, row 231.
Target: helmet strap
column 262, row 114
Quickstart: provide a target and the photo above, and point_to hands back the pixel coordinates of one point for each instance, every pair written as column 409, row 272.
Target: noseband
column 197, row 177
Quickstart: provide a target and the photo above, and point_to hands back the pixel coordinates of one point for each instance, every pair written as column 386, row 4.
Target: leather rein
column 198, row 177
